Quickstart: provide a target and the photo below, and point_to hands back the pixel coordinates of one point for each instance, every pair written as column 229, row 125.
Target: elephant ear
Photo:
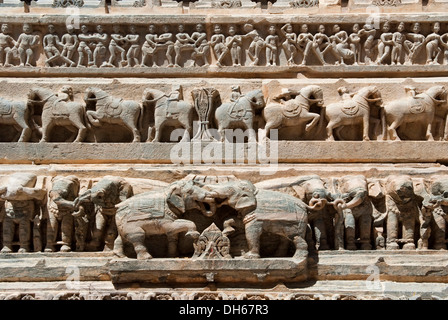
column 175, row 201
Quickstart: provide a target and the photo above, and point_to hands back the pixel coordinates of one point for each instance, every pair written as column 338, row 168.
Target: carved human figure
column 257, row 43
column 183, row 43
column 444, row 44
column 355, row 43
column 66, row 94
column 83, row 49
column 304, row 42
column 402, row 210
column 150, row 47
column 414, row 42
column 132, row 38
column 25, row 45
column 319, row 45
column 23, row 201
column 61, row 198
column 201, row 45
column 51, row 48
column 116, row 44
column 432, row 42
column 340, row 46
column 368, row 31
column 271, row 44
column 165, row 40
column 6, row 44
column 218, row 43
column 398, row 39
column 234, row 44
column 69, row 42
column 290, row 43
column 438, row 189
column 385, row 44
column 99, row 53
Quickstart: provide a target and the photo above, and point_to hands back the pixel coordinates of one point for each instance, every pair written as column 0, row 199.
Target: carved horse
column 420, row 109
column 109, row 109
column 352, row 111
column 19, row 115
column 240, row 114
column 295, row 111
column 167, row 113
column 56, row 112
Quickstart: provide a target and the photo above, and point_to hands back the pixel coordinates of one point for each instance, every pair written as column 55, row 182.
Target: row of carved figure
column 289, row 109
column 363, row 44
column 350, row 212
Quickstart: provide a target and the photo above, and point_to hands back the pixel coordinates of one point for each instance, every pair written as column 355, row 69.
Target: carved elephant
column 403, row 209
column 357, row 213
column 265, row 211
column 105, row 194
column 23, row 202
column 153, row 213
column 438, row 188
column 61, row 207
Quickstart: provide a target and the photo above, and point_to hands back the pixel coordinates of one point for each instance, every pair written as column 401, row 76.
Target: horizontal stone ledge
column 217, row 153
column 248, row 72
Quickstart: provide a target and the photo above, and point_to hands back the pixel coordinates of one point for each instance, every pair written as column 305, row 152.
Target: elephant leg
column 173, row 240
column 119, row 247
column 136, row 237
column 67, row 225
column 8, row 234
column 321, row 234
column 439, row 231
column 111, row 234
column 24, row 235
column 350, row 228
column 392, row 231
column 52, row 231
column 301, row 247
column 172, row 231
column 408, row 233
column 365, row 227
column 253, row 233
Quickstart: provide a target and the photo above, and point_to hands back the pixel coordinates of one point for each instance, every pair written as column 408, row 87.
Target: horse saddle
column 60, row 109
column 291, row 109
column 350, row 107
column 114, row 108
column 237, row 111
column 5, row 107
column 417, row 106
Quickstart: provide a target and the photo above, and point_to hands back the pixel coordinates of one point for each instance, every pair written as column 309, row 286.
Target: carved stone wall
column 223, row 144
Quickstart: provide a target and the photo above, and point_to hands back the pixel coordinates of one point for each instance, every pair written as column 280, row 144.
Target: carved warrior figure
column 23, row 201
column 105, row 195
column 51, row 48
column 385, row 44
column 132, row 38
column 99, row 39
column 150, row 47
column 160, row 213
column 417, row 109
column 432, row 42
column 319, row 45
column 368, row 31
column 61, row 212
column 271, row 44
column 355, row 44
column 183, row 43
column 69, row 42
column 293, row 111
column 398, row 39
column 116, row 44
column 256, row 45
column 290, row 43
column 83, row 48
column 218, row 43
column 7, row 43
column 340, row 46
column 414, row 43
column 305, row 43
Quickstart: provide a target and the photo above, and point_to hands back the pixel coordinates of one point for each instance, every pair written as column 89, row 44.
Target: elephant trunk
column 85, row 197
column 356, row 201
column 316, row 204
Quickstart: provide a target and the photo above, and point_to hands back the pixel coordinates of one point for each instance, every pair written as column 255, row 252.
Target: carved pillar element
column 204, row 99
column 212, row 244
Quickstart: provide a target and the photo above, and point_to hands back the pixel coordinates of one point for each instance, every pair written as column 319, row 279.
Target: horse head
column 437, row 93
column 40, row 95
column 371, row 94
column 313, row 94
column 151, row 96
column 256, row 99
